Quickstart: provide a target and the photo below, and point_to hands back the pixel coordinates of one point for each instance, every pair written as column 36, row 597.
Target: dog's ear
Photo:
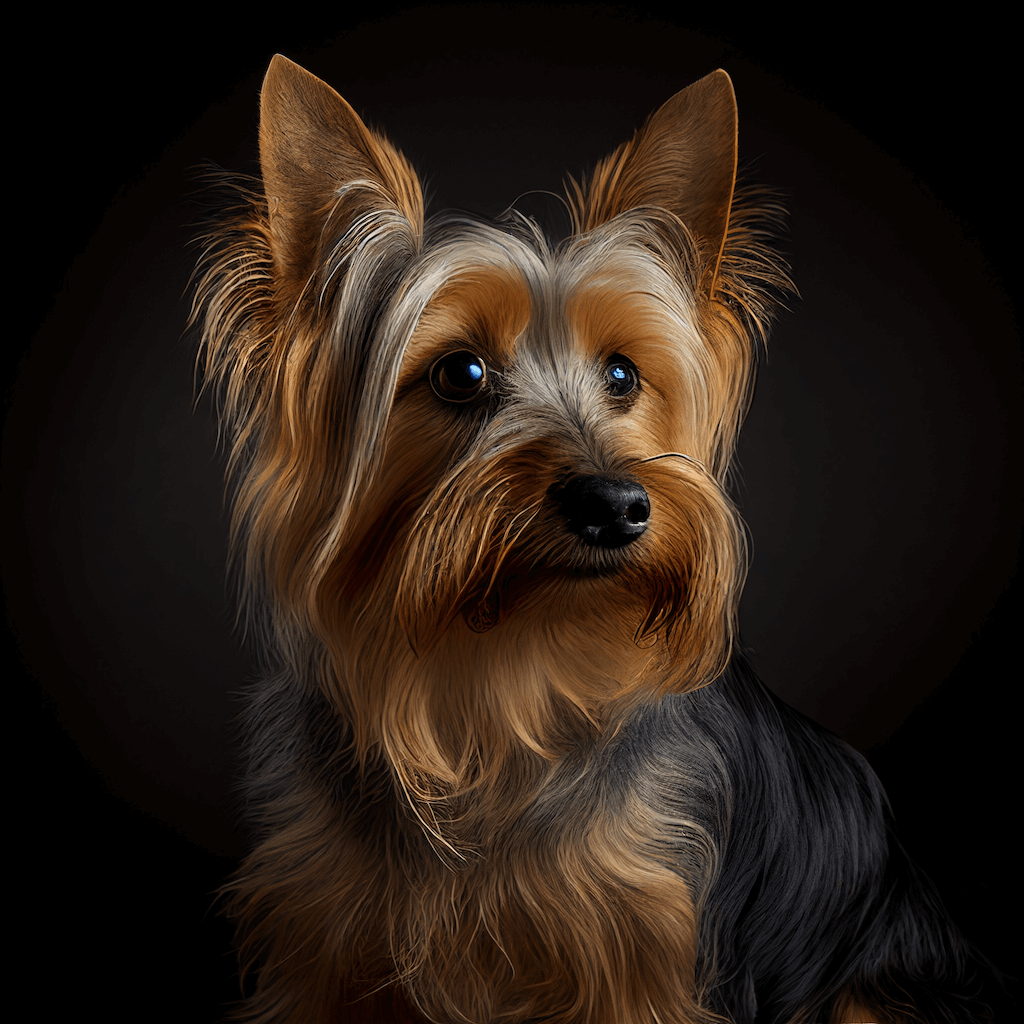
column 682, row 160
column 322, row 168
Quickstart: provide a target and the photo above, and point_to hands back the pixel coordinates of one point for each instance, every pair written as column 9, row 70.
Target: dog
column 507, row 762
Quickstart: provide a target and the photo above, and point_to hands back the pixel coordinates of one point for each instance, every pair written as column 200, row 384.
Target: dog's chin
column 579, row 563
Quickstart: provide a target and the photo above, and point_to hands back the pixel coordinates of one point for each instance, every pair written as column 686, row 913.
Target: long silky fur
column 488, row 776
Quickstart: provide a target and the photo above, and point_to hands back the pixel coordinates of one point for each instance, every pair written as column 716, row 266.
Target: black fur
column 813, row 893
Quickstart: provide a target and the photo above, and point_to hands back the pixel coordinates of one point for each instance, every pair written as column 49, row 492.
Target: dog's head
column 467, row 431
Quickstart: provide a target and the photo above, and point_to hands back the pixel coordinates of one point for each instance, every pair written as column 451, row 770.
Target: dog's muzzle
column 602, row 511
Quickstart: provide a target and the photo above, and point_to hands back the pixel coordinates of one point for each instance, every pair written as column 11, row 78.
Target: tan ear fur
column 682, row 160
column 320, row 163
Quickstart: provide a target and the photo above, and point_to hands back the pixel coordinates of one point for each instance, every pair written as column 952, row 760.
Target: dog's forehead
column 485, row 308
column 504, row 299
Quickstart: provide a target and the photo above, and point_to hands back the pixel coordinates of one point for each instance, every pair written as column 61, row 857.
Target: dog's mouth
column 602, row 514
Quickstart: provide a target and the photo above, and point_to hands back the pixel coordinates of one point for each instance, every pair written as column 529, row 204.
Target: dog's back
column 814, row 912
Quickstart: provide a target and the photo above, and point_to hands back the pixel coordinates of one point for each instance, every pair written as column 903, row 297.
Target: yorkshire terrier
column 507, row 763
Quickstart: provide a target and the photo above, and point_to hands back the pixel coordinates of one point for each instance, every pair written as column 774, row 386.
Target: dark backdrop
column 879, row 474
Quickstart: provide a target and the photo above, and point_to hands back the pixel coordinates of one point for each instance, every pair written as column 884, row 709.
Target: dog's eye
column 621, row 377
column 458, row 376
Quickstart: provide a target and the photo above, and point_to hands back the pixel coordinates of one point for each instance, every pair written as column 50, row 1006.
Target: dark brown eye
column 458, row 377
column 621, row 377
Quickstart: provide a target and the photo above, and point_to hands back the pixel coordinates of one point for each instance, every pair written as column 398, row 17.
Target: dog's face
column 549, row 440
column 457, row 442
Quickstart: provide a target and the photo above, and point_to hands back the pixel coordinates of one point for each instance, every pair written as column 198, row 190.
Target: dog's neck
column 485, row 716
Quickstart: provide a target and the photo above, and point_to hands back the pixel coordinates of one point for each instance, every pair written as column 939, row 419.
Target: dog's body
column 482, row 518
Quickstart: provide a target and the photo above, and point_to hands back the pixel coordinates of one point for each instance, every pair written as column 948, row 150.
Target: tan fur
column 404, row 563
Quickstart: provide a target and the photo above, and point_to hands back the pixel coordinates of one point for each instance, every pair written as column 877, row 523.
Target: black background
column 879, row 468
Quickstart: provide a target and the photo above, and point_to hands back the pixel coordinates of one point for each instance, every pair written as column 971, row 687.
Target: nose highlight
column 603, row 511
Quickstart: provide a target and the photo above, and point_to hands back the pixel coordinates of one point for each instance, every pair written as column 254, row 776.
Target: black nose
column 604, row 512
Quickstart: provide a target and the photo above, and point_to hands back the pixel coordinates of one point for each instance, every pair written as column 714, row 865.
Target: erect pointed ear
column 683, row 160
column 321, row 168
